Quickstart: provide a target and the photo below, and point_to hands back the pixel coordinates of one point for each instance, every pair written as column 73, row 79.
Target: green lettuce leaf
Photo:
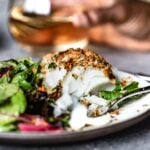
column 17, row 76
column 16, row 105
column 21, row 80
column 7, row 127
column 11, row 110
column 7, row 90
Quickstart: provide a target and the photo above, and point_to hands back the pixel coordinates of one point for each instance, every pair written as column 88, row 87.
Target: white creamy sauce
column 78, row 117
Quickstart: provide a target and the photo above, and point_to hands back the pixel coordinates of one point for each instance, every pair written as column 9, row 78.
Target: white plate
column 129, row 114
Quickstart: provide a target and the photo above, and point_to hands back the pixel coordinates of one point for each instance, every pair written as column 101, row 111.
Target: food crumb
column 115, row 112
column 145, row 105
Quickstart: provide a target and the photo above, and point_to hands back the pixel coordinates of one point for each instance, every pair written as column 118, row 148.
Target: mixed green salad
column 25, row 108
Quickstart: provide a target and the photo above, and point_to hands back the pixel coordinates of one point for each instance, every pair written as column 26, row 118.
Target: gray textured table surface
column 136, row 137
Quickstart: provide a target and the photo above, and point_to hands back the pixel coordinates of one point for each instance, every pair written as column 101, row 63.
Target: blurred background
column 117, row 29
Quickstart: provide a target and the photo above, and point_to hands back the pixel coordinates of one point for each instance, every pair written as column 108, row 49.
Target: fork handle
column 143, row 76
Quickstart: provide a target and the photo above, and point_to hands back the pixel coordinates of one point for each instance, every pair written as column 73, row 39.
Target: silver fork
column 143, row 76
column 143, row 90
column 140, row 91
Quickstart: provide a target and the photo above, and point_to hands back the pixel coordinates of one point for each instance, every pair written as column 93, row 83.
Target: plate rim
column 67, row 137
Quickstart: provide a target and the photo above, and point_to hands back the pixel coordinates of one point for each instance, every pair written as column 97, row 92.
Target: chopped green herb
column 65, row 121
column 52, row 65
column 118, row 87
column 52, row 120
column 75, row 76
column 7, row 127
column 7, row 91
column 52, row 101
column 131, row 87
column 21, row 80
column 110, row 95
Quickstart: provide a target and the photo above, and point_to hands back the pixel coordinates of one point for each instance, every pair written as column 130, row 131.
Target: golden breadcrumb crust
column 79, row 57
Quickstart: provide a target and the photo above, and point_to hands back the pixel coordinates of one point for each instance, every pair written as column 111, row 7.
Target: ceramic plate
column 128, row 115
